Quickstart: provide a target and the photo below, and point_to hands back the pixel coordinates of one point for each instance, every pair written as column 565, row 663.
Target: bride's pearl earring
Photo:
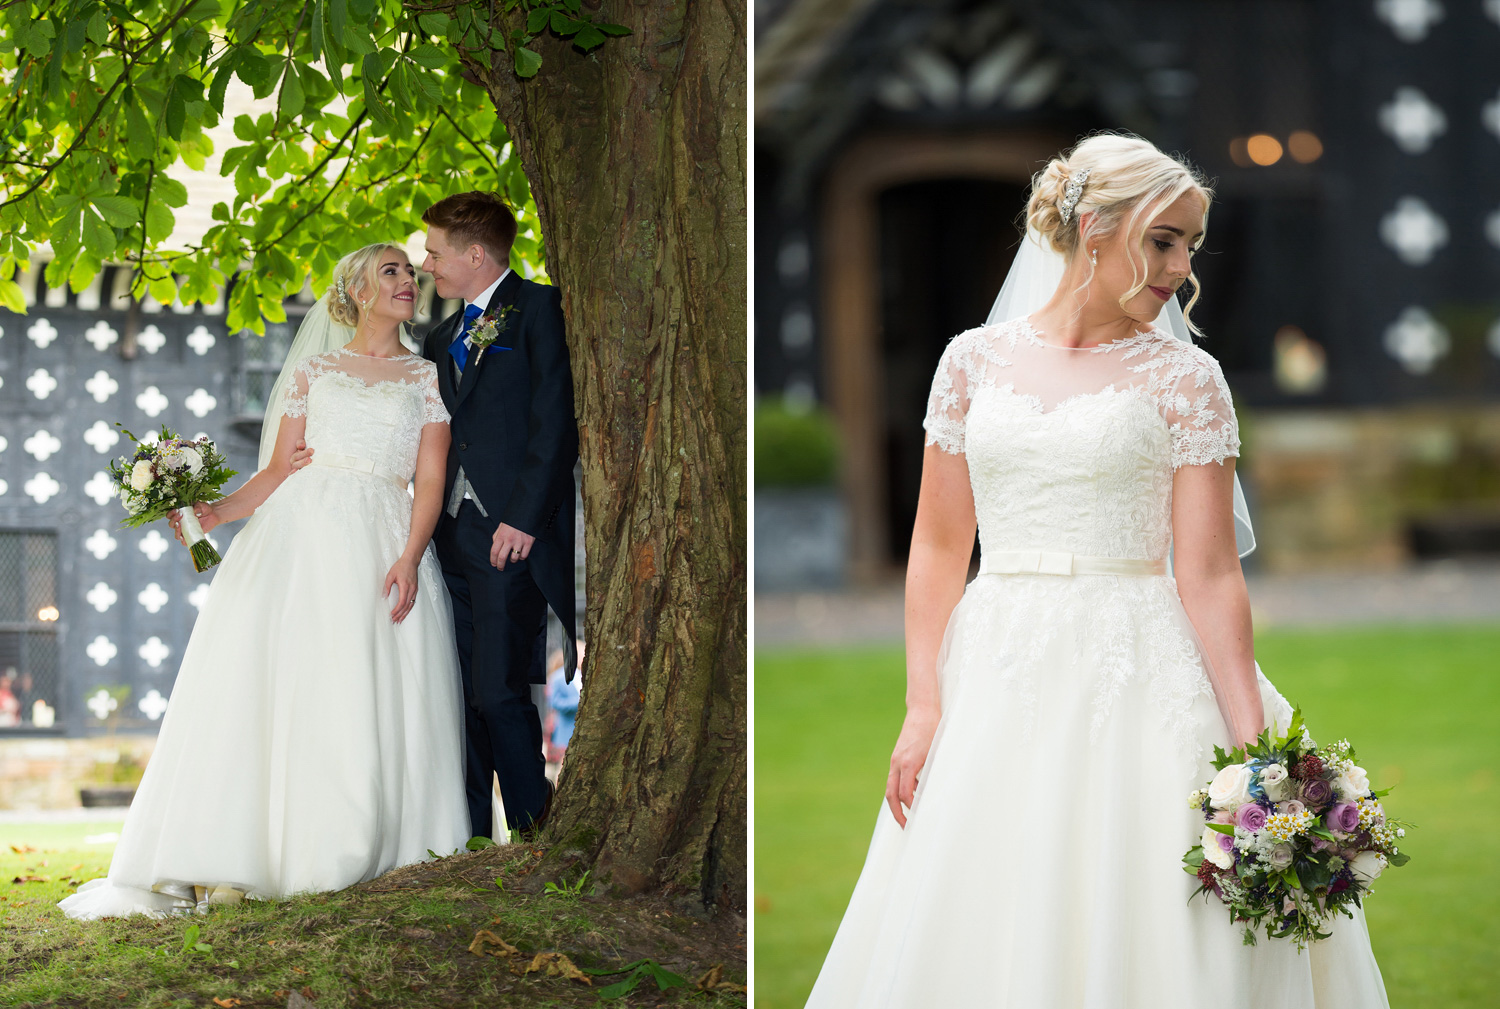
column 1094, row 257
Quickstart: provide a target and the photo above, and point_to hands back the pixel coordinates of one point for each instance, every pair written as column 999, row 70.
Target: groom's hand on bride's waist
column 509, row 544
column 301, row 455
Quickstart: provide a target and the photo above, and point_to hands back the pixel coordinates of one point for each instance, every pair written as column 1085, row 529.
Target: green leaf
column 588, row 38
column 176, row 113
column 434, row 24
column 429, row 56
column 159, row 222
column 119, row 211
column 564, row 25
column 536, row 20
column 1223, row 828
column 191, row 935
column 478, row 843
column 1399, row 858
column 612, row 29
column 174, row 193
column 358, row 41
column 527, row 64
column 221, row 80
column 292, row 99
column 1290, row 875
column 12, row 297
column 98, row 28
column 315, row 32
column 140, row 138
column 164, row 290
column 221, row 212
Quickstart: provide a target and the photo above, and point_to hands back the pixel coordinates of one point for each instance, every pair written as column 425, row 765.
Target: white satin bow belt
column 358, row 465
column 1060, row 562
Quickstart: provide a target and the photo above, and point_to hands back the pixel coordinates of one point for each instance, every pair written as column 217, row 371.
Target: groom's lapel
column 446, row 330
column 504, row 296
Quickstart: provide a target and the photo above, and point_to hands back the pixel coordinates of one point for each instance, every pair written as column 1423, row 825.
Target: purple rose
column 1317, row 793
column 1344, row 816
column 1251, row 816
column 1226, row 843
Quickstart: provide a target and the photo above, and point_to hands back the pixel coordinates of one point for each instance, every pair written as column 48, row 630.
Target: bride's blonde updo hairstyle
column 1130, row 180
column 355, row 281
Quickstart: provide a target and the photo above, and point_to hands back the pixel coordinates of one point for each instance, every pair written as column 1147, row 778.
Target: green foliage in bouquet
column 1308, row 834
column 172, row 474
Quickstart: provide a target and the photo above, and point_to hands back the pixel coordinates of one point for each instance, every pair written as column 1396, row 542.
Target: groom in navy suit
column 505, row 540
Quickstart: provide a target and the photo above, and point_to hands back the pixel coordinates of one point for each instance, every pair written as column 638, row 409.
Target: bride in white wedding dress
column 1062, row 705
column 314, row 736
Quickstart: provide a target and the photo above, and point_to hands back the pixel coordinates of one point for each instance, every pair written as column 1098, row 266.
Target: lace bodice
column 370, row 408
column 1074, row 448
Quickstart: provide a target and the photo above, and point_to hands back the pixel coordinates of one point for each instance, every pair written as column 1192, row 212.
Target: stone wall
column 47, row 772
column 1343, row 488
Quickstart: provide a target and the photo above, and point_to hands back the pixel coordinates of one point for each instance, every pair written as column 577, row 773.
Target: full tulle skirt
column 310, row 743
column 1040, row 867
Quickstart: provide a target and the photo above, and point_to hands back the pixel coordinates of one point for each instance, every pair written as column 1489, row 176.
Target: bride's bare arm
column 942, row 542
column 251, row 494
column 1212, row 587
column 426, row 506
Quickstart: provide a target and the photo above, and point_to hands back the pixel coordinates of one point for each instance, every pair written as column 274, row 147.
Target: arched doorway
column 917, row 235
column 945, row 246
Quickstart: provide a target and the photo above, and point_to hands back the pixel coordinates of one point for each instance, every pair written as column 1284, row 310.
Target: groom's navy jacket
column 514, row 431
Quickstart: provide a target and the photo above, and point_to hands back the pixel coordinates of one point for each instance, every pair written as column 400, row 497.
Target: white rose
column 1276, row 782
column 1367, row 865
column 192, row 459
column 1352, row 784
column 140, row 475
column 1280, row 857
column 1230, row 787
column 1211, row 850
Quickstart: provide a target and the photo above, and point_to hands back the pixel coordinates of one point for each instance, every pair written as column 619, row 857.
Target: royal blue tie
column 458, row 348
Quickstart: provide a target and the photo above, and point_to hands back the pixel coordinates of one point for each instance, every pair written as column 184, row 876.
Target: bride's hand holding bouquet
column 174, row 474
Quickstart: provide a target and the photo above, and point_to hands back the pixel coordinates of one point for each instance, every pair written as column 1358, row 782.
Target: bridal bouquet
column 1293, row 835
column 172, row 473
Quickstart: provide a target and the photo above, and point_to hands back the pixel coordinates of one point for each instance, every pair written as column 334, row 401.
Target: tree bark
column 636, row 155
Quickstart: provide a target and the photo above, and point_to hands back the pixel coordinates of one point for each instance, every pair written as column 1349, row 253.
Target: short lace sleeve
column 433, row 410
column 294, row 397
column 1200, row 413
column 948, row 403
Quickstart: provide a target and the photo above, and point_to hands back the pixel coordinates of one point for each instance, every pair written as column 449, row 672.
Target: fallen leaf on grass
column 31, row 879
column 280, row 993
column 22, row 849
column 413, row 932
column 553, row 965
column 299, row 970
column 484, row 937
column 713, row 980
column 226, row 1003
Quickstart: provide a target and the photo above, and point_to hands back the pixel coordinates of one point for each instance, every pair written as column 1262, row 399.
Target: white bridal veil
column 1034, row 276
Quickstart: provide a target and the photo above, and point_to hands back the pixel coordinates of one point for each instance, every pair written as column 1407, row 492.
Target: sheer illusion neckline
column 375, row 357
column 1034, row 336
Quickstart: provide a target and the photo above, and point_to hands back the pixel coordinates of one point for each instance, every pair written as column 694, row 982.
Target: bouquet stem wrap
column 204, row 554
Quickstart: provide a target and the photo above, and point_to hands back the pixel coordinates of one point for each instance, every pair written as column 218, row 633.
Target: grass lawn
column 1419, row 705
column 404, row 939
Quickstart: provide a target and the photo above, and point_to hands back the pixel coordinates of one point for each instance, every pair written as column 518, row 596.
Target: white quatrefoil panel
column 153, row 597
column 1489, row 115
column 101, row 386
column 42, row 333
column 3, row 443
column 41, row 383
column 1412, row 120
column 101, row 488
column 1414, row 231
column 199, row 596
column 200, row 402
column 100, row 543
column 42, row 488
column 102, row 335
column 152, row 339
column 151, row 402
column 101, row 597
column 154, row 651
column 153, row 545
column 101, row 437
column 1410, row 20
column 101, row 650
column 201, row 340
column 153, row 705
column 43, row 445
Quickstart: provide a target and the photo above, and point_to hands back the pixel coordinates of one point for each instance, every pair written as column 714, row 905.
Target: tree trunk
column 636, row 155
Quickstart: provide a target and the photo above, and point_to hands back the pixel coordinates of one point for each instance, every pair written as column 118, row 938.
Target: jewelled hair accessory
column 343, row 295
column 1072, row 192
